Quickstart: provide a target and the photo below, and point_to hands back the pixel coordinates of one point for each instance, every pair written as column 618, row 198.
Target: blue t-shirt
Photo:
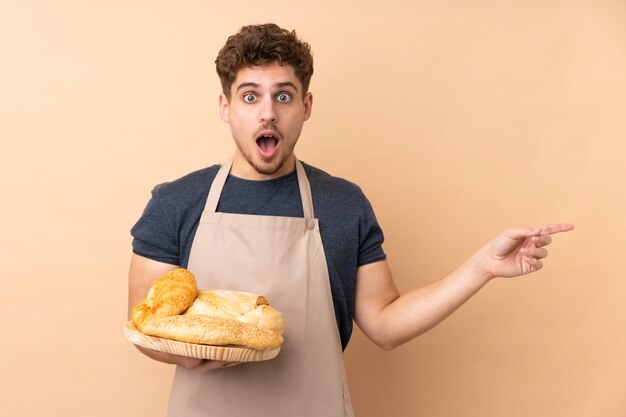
column 350, row 233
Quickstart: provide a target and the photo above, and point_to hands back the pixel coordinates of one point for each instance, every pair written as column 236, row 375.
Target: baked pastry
column 175, row 309
column 169, row 295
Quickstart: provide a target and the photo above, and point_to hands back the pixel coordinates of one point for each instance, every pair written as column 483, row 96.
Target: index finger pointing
column 556, row 228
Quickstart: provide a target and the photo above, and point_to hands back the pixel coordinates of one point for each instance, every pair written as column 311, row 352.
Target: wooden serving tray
column 220, row 353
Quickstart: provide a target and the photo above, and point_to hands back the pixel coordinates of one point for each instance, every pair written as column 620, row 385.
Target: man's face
column 266, row 111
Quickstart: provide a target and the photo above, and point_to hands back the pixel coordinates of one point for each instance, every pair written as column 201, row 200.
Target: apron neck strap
column 222, row 175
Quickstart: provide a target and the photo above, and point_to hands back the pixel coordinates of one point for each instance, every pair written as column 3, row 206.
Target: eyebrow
column 256, row 85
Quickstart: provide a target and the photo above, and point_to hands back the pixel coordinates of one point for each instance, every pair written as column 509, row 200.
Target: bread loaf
column 207, row 330
column 175, row 309
column 242, row 306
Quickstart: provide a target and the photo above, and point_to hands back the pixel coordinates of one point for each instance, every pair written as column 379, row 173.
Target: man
column 268, row 224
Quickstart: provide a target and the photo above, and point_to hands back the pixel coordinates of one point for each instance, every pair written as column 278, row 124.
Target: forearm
column 417, row 311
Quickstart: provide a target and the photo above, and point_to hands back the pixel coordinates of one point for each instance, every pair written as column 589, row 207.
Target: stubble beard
column 270, row 168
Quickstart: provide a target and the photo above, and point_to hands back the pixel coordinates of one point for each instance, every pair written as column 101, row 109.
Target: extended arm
column 390, row 319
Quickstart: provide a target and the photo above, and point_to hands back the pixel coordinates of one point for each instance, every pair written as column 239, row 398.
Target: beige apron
column 283, row 259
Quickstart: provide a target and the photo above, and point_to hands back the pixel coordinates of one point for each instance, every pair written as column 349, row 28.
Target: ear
column 308, row 105
column 224, row 108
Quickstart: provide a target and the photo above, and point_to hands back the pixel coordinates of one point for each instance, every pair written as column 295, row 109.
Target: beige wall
column 458, row 119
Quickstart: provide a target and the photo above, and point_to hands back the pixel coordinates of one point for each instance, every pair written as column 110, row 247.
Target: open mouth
column 267, row 143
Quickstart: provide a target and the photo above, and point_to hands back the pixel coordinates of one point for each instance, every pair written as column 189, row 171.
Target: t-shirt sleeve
column 371, row 237
column 154, row 234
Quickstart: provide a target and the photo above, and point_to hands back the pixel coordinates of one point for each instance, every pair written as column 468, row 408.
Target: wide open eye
column 284, row 97
column 249, row 98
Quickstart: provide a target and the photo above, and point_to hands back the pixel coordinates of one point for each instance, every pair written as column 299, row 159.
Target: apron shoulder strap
column 305, row 191
column 216, row 187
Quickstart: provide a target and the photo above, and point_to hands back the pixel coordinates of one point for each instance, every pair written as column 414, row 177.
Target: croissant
column 169, row 295
column 175, row 309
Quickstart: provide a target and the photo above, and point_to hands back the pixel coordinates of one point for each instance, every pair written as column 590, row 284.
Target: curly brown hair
column 263, row 45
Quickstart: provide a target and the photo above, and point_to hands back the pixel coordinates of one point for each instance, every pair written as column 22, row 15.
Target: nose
column 268, row 111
